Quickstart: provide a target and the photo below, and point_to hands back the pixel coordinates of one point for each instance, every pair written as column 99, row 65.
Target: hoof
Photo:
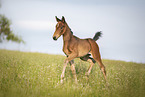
column 61, row 81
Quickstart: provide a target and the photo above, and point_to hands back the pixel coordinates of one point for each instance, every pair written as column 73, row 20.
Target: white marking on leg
column 74, row 72
column 64, row 67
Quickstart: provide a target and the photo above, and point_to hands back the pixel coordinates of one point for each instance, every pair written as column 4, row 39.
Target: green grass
column 38, row 75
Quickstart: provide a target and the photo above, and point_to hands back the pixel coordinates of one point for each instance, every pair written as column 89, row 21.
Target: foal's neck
column 67, row 34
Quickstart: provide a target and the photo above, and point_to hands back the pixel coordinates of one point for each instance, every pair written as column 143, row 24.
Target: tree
column 6, row 32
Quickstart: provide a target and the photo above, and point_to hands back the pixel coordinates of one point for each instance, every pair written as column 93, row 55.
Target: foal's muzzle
column 54, row 38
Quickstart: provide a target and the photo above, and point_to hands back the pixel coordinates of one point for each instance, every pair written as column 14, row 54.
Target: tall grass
column 38, row 75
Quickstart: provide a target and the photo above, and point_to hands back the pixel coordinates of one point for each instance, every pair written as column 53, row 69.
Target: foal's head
column 60, row 28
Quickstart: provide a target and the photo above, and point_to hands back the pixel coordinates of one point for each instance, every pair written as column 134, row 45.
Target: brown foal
column 75, row 47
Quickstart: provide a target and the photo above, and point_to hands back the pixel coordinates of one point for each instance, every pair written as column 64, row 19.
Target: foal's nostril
column 54, row 38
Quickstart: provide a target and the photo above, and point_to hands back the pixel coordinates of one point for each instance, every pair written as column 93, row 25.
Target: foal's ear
column 57, row 19
column 63, row 19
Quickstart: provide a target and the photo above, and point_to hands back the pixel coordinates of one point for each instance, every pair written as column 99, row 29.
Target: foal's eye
column 61, row 27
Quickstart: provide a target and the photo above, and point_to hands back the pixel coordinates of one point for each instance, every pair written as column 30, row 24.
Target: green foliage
column 38, row 75
column 6, row 32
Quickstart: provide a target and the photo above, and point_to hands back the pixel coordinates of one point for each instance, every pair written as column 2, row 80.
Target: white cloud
column 36, row 25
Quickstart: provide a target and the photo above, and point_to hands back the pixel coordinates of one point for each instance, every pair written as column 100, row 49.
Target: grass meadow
column 38, row 75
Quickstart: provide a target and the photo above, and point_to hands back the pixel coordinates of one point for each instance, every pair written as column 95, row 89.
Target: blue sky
column 122, row 23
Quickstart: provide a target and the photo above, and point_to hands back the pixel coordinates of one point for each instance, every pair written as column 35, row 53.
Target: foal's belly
column 83, row 47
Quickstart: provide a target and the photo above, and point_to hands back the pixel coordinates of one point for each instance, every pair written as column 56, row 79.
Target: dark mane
column 71, row 31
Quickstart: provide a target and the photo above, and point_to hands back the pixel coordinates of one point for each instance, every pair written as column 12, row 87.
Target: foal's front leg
column 73, row 70
column 64, row 67
column 69, row 58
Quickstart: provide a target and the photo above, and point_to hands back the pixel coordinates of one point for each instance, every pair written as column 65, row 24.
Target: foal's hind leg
column 102, row 68
column 90, row 68
column 92, row 62
column 97, row 58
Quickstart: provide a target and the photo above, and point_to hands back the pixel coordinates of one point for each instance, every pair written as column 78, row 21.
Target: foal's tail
column 97, row 35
